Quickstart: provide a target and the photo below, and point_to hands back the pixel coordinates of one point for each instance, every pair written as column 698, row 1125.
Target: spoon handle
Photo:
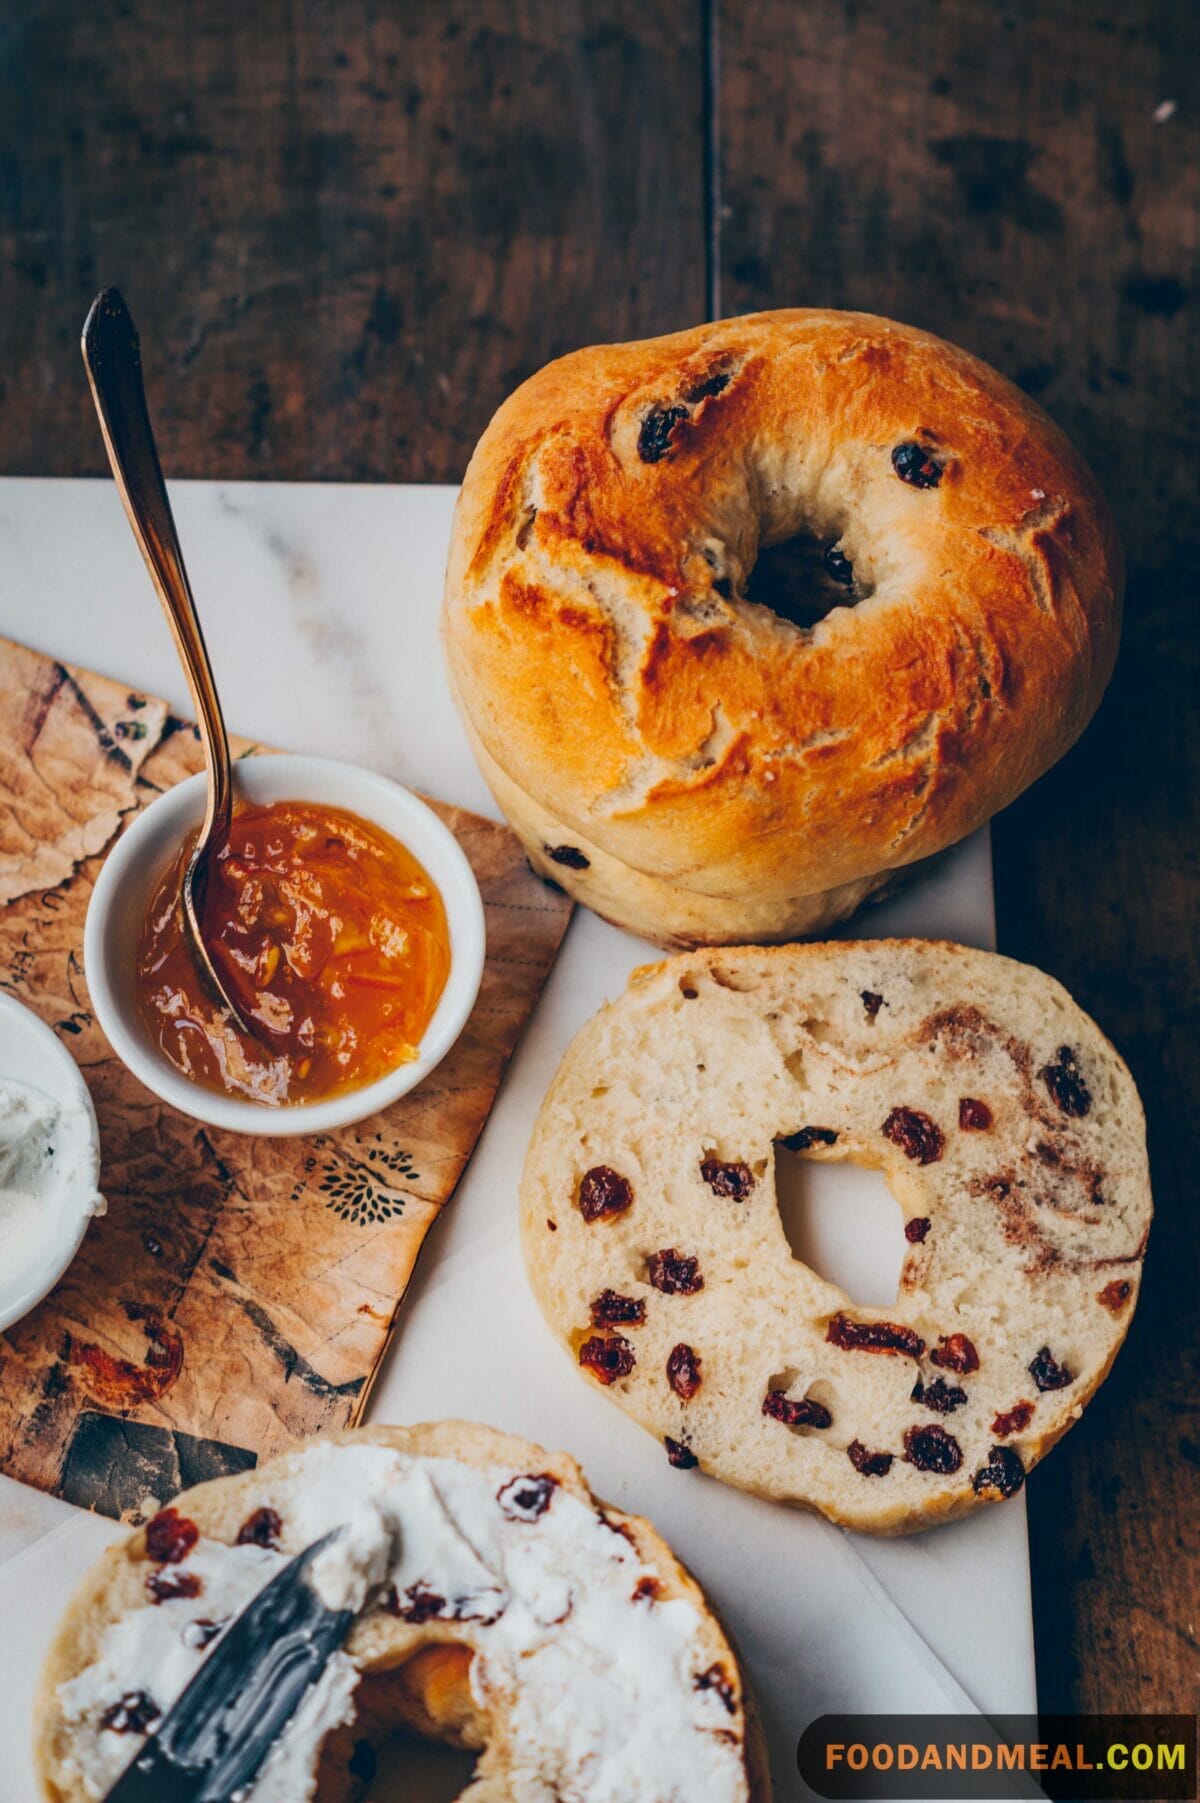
column 113, row 358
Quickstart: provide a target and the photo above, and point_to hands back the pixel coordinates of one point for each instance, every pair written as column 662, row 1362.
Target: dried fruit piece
column 973, row 1116
column 603, row 1192
column 170, row 1537
column 132, row 1715
column 916, row 1229
column 932, row 1449
column 940, row 1396
column 838, row 566
column 808, row 1137
column 679, row 1455
column 869, row 1464
column 1014, row 1420
column 803, row 1412
column 1003, row 1472
column 718, row 1679
column 569, row 856
column 871, row 1002
column 608, row 1358
column 1115, row 1295
column 260, row 1529
column 914, row 465
column 1046, row 1371
column 654, row 439
column 673, row 1274
column 917, row 1136
column 734, row 1180
column 483, row 1606
column 611, row 1310
column 419, row 1603
column 526, row 1499
column 683, row 1372
column 164, row 1586
column 873, row 1336
column 1065, row 1082
column 954, row 1352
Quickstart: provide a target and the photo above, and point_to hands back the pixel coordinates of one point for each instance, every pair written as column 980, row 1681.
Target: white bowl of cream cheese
column 49, row 1160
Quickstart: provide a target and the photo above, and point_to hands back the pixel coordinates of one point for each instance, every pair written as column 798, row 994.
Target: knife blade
column 213, row 1740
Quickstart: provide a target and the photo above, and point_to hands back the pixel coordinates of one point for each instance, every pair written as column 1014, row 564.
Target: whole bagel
column 684, row 759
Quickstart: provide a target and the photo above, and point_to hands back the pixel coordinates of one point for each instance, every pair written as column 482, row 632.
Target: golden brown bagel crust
column 604, row 657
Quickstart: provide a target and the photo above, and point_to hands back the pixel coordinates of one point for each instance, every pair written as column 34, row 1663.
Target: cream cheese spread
column 45, row 1148
column 601, row 1689
column 154, row 1652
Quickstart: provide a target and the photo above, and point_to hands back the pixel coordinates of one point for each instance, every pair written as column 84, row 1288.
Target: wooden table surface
column 349, row 227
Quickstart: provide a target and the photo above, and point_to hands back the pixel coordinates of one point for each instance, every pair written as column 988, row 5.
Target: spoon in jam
column 113, row 358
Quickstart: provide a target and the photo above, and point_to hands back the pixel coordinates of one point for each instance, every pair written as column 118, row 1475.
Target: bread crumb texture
column 1011, row 1135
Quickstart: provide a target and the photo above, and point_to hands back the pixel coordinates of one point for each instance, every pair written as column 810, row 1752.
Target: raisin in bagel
column 683, row 759
column 501, row 1607
column 1008, row 1130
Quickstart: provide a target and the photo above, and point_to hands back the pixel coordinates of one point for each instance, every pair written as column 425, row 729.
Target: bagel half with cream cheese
column 688, row 761
column 1009, row 1132
column 501, row 1607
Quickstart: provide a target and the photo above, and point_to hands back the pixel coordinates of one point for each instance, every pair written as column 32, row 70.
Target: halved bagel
column 502, row 1608
column 1011, row 1135
column 684, row 757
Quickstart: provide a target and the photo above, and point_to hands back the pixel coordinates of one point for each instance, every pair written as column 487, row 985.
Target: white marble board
column 320, row 607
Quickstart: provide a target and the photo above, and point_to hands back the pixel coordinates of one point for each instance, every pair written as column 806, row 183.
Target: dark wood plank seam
column 710, row 66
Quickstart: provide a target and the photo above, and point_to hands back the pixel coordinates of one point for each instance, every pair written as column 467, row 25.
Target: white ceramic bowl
column 31, row 1265
column 139, row 857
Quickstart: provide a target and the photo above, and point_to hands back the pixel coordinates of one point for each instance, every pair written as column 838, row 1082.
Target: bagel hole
column 407, row 1765
column 844, row 1223
column 795, row 580
column 417, row 1716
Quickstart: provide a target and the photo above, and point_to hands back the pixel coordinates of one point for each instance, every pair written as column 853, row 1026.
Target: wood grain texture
column 239, row 1291
column 346, row 228
column 1006, row 174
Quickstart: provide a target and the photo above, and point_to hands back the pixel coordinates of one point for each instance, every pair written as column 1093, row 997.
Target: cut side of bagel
column 1009, row 1132
column 500, row 1607
column 674, row 742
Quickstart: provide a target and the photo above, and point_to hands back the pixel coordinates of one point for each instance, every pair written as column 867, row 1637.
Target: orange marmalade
column 329, row 937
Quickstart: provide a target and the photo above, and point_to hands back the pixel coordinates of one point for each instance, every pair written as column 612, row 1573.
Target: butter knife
column 212, row 1742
